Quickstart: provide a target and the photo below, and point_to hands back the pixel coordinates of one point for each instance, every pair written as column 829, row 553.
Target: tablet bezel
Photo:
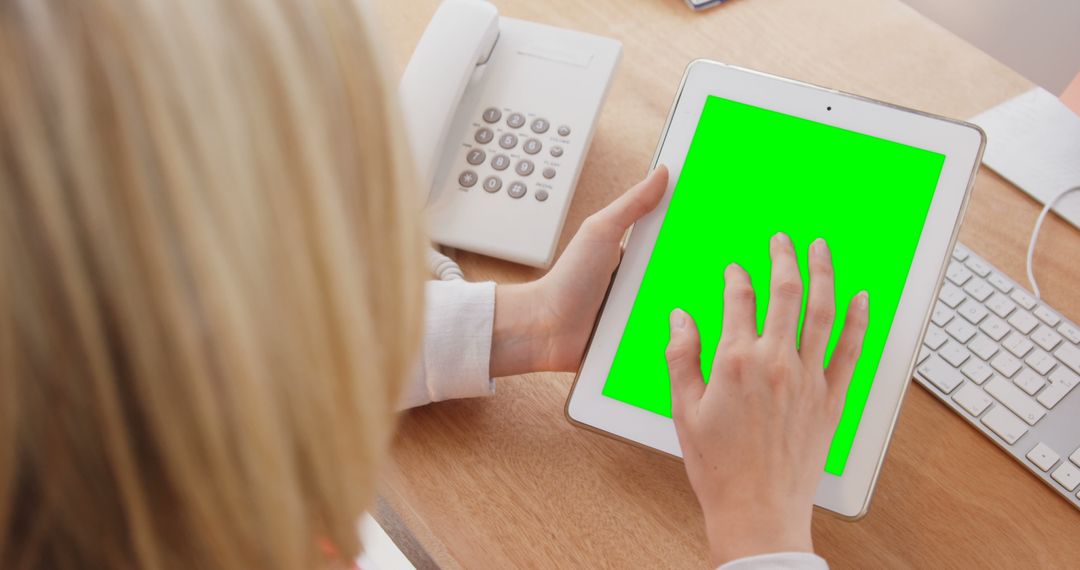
column 962, row 145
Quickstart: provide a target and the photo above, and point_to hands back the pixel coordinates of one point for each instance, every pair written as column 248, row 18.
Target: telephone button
column 556, row 151
column 515, row 120
column 492, row 184
column 508, row 140
column 541, row 195
column 516, row 189
column 475, row 157
column 492, row 115
column 563, row 130
column 532, row 146
column 549, row 173
column 524, row 167
column 467, row 179
column 500, row 162
column 484, row 135
column 540, row 126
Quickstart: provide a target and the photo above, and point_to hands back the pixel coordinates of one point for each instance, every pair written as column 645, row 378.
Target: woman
column 211, row 290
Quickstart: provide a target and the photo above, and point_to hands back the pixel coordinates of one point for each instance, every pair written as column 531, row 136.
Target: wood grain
column 507, row 482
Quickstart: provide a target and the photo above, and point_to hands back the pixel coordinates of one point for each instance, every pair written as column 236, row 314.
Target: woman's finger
column 849, row 347
column 786, row 291
column 820, row 306
column 613, row 221
column 740, row 306
column 684, row 364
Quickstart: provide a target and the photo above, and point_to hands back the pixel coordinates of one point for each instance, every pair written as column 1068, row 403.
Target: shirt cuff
column 456, row 354
column 778, row 561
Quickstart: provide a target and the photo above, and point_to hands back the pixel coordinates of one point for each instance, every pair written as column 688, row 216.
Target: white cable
column 1035, row 237
column 442, row 267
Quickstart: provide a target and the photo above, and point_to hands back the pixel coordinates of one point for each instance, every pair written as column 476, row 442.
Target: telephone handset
column 499, row 114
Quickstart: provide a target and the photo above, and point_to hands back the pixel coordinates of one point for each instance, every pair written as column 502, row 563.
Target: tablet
column 751, row 155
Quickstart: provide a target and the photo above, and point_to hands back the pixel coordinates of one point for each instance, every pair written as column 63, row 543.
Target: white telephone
column 500, row 113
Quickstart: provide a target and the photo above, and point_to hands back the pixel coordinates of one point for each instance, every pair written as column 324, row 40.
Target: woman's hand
column 545, row 324
column 755, row 438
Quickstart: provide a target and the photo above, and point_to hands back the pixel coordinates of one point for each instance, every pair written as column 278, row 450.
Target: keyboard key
column 1023, row 321
column 1018, row 344
column 1070, row 332
column 951, row 295
column 1068, row 475
column 983, row 347
column 941, row 375
column 1013, row 398
column 1040, row 361
column 1061, row 383
column 941, row 315
column 973, row 312
column 954, row 353
column 924, row 353
column 1043, row 457
column 1045, row 337
column 1007, row 426
column 1001, row 305
column 1047, row 315
column 979, row 289
column 976, row 370
column 1029, row 381
column 1005, row 364
column 1070, row 355
column 1026, row 301
column 1001, row 282
column 961, row 252
column 978, row 266
column 995, row 328
column 1075, row 457
column 972, row 399
column 957, row 273
column 935, row 337
column 961, row 330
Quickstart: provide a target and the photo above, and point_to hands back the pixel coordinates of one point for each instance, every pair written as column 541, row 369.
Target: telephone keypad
column 524, row 167
column 505, row 135
column 515, row 120
column 500, row 162
column 475, row 157
column 484, row 135
column 508, row 140
column 516, row 189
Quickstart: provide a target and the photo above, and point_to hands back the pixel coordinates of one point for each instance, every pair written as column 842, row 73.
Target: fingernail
column 820, row 248
column 678, row 319
column 781, row 239
column 863, row 299
column 733, row 267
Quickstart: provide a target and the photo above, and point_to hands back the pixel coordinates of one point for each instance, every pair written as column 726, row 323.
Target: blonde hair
column 210, row 282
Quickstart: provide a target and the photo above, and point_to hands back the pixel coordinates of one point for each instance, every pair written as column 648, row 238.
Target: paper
column 1033, row 140
column 380, row 552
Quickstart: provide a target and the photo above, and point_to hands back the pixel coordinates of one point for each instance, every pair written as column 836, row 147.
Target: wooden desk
column 507, row 482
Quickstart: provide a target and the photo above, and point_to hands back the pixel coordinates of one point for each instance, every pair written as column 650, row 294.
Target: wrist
column 518, row 336
column 738, row 533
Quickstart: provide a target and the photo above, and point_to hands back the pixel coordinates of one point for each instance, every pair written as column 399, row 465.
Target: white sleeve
column 778, row 561
column 456, row 350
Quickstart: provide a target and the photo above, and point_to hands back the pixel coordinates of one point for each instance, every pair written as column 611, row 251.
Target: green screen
column 748, row 174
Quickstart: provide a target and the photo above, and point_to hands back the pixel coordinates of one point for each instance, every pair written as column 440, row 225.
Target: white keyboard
column 1009, row 365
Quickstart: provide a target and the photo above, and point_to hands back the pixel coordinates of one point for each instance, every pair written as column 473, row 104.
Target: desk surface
column 507, row 482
